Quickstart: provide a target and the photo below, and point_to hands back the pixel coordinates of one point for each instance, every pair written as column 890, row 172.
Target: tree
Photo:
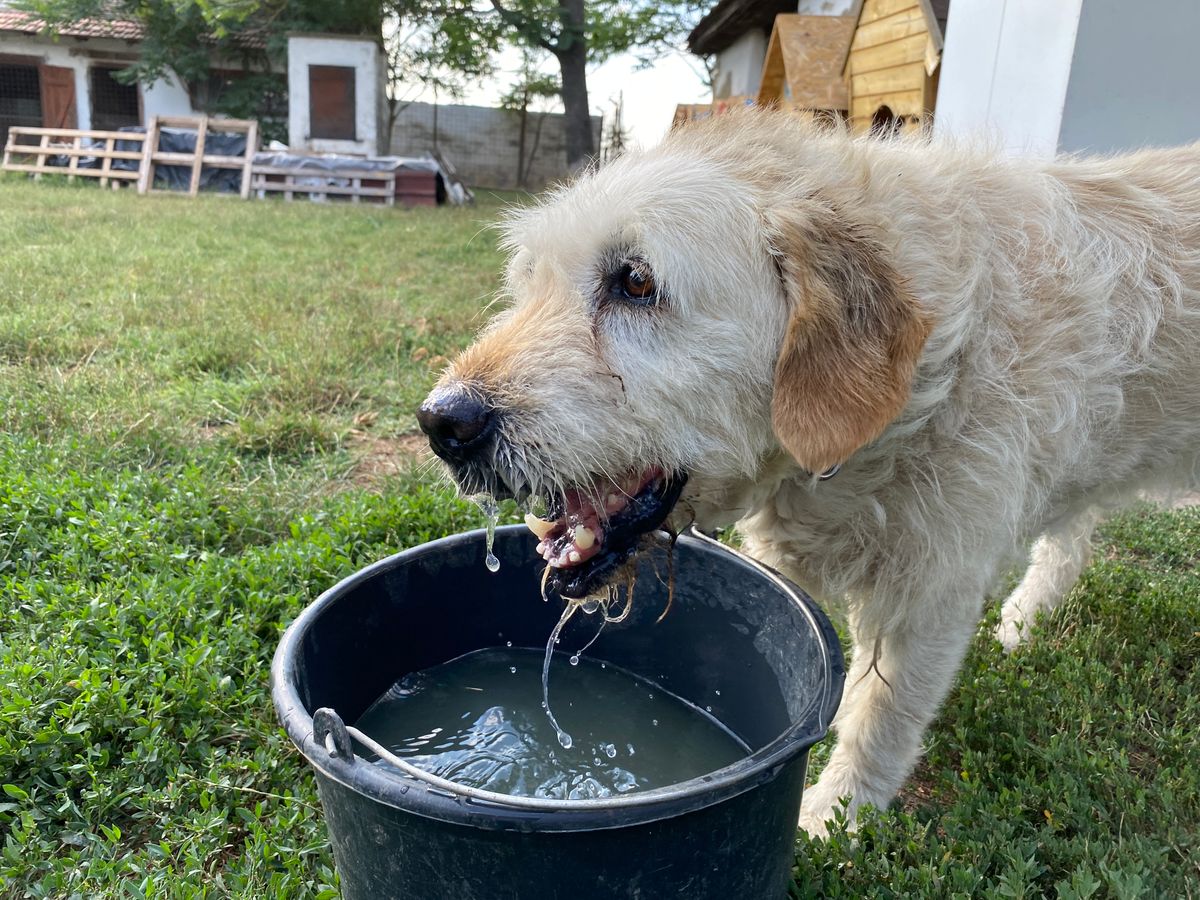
column 424, row 54
column 532, row 87
column 576, row 33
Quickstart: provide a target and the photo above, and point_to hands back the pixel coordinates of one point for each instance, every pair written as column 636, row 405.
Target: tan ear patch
column 846, row 365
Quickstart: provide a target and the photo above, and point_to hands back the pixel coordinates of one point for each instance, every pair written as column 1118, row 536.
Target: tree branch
column 526, row 26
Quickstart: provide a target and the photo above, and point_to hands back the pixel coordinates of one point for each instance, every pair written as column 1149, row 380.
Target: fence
column 30, row 149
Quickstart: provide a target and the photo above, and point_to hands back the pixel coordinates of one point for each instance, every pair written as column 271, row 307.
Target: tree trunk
column 572, row 58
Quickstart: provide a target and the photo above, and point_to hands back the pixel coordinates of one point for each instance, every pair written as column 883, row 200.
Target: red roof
column 28, row 23
column 120, row 29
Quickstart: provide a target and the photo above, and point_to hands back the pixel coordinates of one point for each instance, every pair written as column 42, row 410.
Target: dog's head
column 670, row 323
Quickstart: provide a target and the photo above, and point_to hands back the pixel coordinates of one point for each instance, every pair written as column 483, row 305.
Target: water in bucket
column 479, row 720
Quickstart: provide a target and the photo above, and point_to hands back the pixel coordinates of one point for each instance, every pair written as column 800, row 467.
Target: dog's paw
column 823, row 805
column 1011, row 633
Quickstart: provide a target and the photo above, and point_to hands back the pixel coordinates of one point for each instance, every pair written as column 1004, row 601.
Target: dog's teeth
column 555, row 563
column 584, row 537
column 541, row 548
column 574, row 556
column 539, row 527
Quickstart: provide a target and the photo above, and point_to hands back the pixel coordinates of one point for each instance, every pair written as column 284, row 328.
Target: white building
column 68, row 80
column 337, row 100
column 1046, row 77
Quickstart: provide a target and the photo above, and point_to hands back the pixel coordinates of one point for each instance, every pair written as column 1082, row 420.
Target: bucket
column 733, row 627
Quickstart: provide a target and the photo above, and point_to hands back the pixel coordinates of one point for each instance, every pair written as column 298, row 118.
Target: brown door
column 331, row 102
column 58, row 97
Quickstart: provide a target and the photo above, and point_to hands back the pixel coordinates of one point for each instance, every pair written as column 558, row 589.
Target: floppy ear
column 855, row 334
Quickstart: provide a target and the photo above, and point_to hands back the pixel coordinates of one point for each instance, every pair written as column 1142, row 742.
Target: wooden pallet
column 280, row 179
column 69, row 142
column 197, row 159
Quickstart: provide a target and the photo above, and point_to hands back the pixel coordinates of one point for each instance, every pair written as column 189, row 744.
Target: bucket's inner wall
column 729, row 630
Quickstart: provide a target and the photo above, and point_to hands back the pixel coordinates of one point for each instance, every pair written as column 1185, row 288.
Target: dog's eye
column 635, row 284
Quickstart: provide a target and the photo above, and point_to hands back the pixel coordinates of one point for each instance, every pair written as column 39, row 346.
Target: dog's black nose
column 457, row 424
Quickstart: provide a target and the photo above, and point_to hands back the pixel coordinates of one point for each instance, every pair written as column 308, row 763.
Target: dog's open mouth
column 591, row 532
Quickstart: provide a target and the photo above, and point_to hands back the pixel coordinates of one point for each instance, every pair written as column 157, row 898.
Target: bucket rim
column 446, row 801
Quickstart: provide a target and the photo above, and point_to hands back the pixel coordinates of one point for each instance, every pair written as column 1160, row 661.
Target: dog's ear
column 854, row 336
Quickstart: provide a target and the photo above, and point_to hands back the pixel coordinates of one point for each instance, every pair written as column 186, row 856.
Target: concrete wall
column 738, row 68
column 1134, row 79
column 1005, row 70
column 366, row 57
column 482, row 143
column 165, row 97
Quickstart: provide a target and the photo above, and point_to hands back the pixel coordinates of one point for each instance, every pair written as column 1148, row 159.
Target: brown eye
column 636, row 284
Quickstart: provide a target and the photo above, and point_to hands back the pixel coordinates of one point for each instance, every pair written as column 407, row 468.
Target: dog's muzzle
column 458, row 423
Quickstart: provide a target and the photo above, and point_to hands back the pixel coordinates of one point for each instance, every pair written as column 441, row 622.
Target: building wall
column 165, row 97
column 482, row 143
column 366, row 57
column 1006, row 67
column 1133, row 77
column 738, row 68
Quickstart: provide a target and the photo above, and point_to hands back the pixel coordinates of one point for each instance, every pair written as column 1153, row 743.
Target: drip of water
column 491, row 512
column 563, row 738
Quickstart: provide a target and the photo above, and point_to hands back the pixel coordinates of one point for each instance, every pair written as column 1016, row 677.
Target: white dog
column 990, row 349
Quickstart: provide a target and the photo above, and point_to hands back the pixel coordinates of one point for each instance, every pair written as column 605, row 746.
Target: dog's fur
column 994, row 349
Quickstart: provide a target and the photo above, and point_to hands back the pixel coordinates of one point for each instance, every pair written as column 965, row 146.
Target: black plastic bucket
column 733, row 627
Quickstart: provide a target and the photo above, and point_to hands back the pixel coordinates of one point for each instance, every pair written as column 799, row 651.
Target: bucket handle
column 330, row 732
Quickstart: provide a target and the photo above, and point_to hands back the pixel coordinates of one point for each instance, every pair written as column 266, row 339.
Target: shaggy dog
column 892, row 363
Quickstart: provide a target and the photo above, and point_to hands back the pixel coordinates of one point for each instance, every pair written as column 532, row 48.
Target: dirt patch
column 919, row 790
column 377, row 458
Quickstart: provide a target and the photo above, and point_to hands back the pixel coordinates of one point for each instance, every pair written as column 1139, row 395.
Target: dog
column 892, row 364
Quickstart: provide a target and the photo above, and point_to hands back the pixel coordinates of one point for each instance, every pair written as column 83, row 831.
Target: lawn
column 206, row 419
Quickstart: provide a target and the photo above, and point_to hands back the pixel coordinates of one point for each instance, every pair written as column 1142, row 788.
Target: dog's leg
column 893, row 691
column 1056, row 561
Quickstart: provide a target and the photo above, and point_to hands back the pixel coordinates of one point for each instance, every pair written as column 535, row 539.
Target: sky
column 649, row 95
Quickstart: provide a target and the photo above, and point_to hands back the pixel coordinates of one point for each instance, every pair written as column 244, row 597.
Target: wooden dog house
column 892, row 64
column 803, row 67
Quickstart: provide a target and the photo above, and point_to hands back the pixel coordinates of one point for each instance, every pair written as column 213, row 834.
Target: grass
column 197, row 400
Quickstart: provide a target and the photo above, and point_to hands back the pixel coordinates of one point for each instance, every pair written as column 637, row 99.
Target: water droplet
column 718, row 693
column 590, row 606
column 603, row 666
column 596, row 761
column 575, row 660
column 610, row 751
column 565, row 739
column 509, row 644
column 654, row 721
column 629, row 747
column 706, row 709
column 513, row 669
column 487, row 505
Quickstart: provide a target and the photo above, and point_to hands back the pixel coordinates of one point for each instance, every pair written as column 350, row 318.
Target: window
column 20, row 98
column 331, row 102
column 114, row 105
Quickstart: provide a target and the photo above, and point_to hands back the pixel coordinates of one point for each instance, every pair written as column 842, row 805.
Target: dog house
column 892, row 64
column 803, row 68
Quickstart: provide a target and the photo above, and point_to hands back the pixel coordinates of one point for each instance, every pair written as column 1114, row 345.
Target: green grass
column 194, row 397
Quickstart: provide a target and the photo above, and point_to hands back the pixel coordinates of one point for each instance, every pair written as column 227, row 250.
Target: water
column 478, row 720
column 491, row 512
